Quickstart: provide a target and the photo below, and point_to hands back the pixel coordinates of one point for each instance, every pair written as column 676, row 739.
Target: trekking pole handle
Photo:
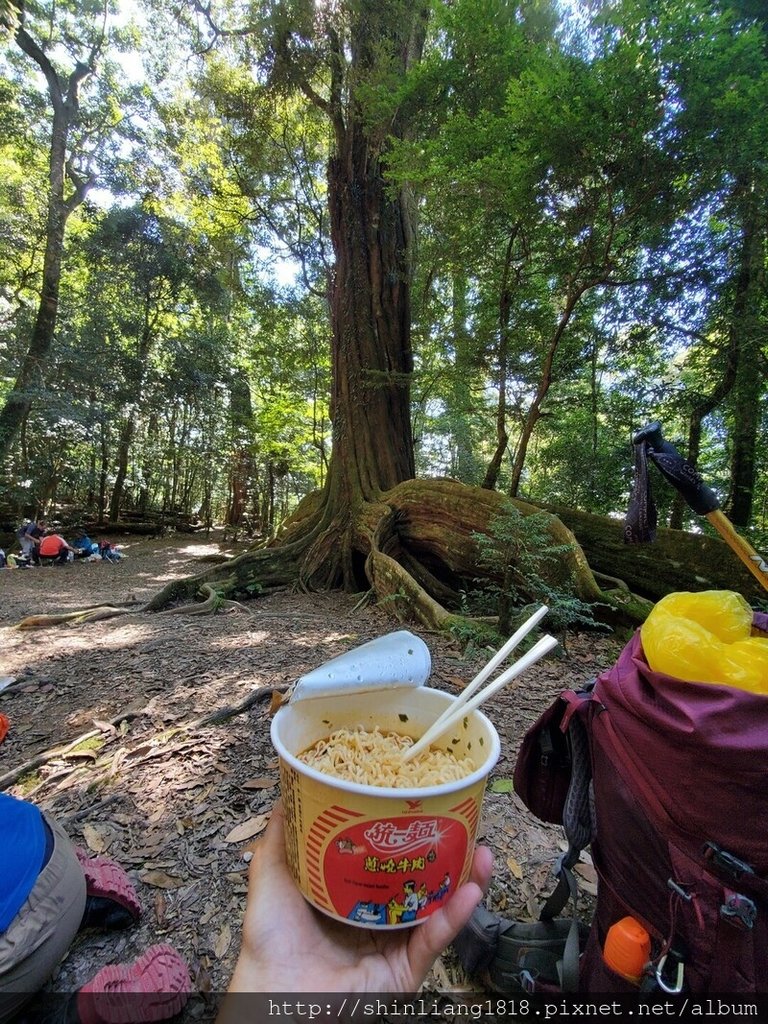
column 681, row 474
column 702, row 499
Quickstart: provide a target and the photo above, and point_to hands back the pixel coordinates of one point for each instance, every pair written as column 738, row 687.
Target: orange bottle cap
column 627, row 948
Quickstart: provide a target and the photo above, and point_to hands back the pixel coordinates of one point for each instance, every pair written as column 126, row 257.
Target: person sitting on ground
column 29, row 536
column 109, row 552
column 49, row 891
column 83, row 546
column 54, row 546
column 288, row 946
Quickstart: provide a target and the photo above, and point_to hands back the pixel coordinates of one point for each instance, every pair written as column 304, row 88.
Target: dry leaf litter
column 178, row 803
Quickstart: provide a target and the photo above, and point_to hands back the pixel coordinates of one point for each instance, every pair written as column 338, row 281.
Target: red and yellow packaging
column 374, row 856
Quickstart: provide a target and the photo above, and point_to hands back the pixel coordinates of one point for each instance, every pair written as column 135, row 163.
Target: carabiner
column 678, row 987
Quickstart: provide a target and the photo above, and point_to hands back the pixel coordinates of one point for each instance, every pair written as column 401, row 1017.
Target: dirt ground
column 161, row 795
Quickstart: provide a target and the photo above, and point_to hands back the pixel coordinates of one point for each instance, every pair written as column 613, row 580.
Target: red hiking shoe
column 152, row 988
column 106, row 884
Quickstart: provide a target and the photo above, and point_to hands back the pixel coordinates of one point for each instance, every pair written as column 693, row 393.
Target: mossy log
column 675, row 560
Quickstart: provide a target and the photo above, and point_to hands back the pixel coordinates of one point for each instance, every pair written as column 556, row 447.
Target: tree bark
column 748, row 387
column 369, row 291
column 675, row 561
column 65, row 99
column 240, row 458
column 505, row 308
column 545, row 380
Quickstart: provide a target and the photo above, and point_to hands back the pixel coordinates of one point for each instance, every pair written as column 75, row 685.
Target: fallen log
column 675, row 560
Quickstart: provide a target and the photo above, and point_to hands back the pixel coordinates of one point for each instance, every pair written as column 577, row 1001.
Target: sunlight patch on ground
column 328, row 638
column 200, row 549
column 35, row 646
column 166, row 578
column 126, row 635
column 237, row 643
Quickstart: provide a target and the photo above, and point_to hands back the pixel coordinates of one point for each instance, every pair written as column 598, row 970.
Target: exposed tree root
column 95, row 614
column 116, row 760
column 53, row 752
column 414, row 549
column 213, row 603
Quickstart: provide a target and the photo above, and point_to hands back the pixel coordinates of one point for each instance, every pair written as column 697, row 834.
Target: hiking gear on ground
column 517, row 956
column 153, row 988
column 665, row 779
column 111, row 897
column 5, row 725
column 640, row 523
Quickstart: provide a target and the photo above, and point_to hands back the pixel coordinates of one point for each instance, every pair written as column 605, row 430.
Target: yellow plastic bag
column 705, row 638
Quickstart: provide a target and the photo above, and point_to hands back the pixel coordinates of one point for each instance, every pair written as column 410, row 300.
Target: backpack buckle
column 527, row 982
column 727, row 861
column 739, row 910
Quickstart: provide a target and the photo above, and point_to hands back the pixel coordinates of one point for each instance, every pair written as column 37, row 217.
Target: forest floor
column 162, row 795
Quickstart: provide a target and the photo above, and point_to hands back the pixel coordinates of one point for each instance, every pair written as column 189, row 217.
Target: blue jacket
column 22, row 848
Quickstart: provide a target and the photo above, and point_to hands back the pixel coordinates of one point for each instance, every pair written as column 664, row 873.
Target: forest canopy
column 264, row 264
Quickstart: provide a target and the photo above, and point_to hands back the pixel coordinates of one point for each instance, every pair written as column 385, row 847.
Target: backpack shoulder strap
column 579, row 825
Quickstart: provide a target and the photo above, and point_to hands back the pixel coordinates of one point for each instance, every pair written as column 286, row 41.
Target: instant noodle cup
column 379, row 856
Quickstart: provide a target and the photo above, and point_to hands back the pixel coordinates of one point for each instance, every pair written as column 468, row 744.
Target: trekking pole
column 701, row 498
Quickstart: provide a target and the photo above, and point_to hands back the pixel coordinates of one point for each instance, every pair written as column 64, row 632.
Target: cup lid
column 394, row 660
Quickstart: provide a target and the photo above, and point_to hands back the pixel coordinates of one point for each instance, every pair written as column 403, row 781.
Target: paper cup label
column 394, row 867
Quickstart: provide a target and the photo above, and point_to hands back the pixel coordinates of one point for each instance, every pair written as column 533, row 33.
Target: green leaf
column 502, row 786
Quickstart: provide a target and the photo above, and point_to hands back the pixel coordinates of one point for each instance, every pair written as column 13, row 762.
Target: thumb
column 440, row 929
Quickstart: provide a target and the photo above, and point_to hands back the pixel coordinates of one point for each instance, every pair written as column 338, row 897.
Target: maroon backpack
column 668, row 782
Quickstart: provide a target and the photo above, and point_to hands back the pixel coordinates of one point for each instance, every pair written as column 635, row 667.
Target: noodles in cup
column 373, row 758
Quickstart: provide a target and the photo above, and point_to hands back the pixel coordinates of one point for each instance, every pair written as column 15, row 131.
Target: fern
column 516, row 552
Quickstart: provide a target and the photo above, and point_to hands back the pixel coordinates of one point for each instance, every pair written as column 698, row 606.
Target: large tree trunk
column 372, row 235
column 64, row 99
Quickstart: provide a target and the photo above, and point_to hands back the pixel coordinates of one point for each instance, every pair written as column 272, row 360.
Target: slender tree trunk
column 128, row 431
column 241, row 415
column 64, row 98
column 459, row 399
column 147, row 471
column 545, row 380
column 505, row 308
column 123, row 450
column 750, row 322
column 103, row 471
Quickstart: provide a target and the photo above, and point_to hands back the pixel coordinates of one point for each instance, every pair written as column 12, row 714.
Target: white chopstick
column 529, row 624
column 460, row 708
column 496, row 660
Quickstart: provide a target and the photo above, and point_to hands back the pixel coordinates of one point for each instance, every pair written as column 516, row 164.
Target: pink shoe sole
column 152, row 988
column 105, row 878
